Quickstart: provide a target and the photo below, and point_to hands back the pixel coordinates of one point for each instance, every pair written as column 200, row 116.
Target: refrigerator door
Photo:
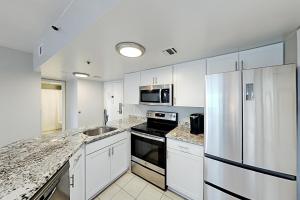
column 269, row 100
column 247, row 183
column 223, row 116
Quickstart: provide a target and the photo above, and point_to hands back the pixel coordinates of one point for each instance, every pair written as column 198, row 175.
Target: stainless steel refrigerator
column 251, row 134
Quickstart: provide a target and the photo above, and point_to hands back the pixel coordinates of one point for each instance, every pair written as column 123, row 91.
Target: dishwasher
column 57, row 188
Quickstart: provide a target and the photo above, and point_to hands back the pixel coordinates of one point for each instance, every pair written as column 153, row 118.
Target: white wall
column 20, row 96
column 84, row 103
column 71, row 104
column 141, row 110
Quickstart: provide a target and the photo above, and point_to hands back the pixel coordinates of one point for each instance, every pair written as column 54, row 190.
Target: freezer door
column 211, row 193
column 248, row 183
column 269, row 100
column 223, row 116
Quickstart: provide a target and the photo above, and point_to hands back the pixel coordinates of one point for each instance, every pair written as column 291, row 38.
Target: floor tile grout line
column 142, row 190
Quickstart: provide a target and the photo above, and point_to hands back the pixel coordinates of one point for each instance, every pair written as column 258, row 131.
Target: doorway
column 53, row 106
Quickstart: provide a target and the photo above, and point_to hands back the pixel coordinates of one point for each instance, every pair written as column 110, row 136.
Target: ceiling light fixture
column 130, row 49
column 80, row 75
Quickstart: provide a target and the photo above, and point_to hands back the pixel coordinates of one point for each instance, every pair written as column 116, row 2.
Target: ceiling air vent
column 170, row 51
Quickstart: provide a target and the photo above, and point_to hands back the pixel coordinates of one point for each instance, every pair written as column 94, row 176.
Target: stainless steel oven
column 157, row 95
column 148, row 146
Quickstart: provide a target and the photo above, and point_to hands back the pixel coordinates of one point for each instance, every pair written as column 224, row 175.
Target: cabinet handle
column 112, row 149
column 236, row 65
column 242, row 64
column 72, row 181
column 109, row 152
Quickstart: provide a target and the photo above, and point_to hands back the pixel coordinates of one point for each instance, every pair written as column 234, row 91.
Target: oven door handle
column 148, row 136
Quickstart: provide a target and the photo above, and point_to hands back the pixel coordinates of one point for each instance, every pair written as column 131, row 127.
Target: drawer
column 102, row 143
column 185, row 147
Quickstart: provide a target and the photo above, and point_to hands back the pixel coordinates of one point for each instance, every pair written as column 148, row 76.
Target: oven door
column 149, row 151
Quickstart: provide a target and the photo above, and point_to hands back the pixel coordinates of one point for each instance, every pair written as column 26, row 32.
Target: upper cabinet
column 131, row 88
column 189, row 84
column 262, row 57
column 223, row 63
column 254, row 58
column 158, row 76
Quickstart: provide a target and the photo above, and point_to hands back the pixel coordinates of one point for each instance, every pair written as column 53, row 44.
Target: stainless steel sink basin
column 99, row 130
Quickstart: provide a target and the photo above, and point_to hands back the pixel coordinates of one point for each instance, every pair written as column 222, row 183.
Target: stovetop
column 159, row 130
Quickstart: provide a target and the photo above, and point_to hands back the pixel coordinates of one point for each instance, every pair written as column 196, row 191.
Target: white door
column 188, row 182
column 223, row 63
column 262, row 57
column 97, row 171
column 113, row 99
column 131, row 88
column 119, row 158
column 189, row 81
column 77, row 174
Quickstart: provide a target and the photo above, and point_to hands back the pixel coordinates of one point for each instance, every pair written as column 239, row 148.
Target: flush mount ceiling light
column 80, row 75
column 130, row 49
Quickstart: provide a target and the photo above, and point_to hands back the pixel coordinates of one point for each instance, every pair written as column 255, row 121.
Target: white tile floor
column 130, row 186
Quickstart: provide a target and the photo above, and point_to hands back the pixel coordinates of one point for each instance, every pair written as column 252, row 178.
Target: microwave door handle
column 160, row 95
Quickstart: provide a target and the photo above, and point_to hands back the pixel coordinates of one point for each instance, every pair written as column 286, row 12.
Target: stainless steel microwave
column 161, row 95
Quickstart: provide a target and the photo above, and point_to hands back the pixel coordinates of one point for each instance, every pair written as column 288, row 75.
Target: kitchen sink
column 99, row 130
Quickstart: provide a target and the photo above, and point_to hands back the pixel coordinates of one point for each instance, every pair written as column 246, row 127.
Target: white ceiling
column 23, row 22
column 196, row 28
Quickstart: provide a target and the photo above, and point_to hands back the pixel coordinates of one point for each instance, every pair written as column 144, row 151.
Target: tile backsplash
column 141, row 110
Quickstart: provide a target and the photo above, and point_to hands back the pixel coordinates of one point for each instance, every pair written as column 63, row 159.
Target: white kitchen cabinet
column 119, row 159
column 77, row 175
column 106, row 160
column 185, row 169
column 97, row 171
column 189, row 84
column 131, row 88
column 223, row 63
column 262, row 57
column 158, row 76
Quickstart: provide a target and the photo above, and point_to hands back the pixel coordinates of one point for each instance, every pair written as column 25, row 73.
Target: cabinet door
column 187, row 182
column 97, row 171
column 164, row 76
column 189, row 81
column 119, row 158
column 131, row 88
column 224, row 63
column 159, row 76
column 148, row 77
column 262, row 57
column 77, row 174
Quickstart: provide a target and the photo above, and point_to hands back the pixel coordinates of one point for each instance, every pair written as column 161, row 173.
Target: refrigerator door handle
column 249, row 92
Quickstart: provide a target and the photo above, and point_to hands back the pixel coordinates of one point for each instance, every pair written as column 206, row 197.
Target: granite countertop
column 26, row 165
column 182, row 133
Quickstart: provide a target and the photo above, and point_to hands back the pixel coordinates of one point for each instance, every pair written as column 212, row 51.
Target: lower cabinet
column 77, row 175
column 119, row 159
column 106, row 163
column 185, row 169
column 97, row 171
